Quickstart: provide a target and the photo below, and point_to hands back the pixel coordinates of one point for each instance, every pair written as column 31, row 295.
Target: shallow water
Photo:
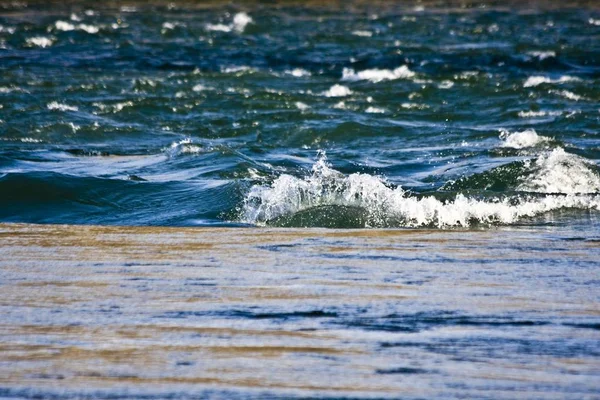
column 114, row 312
column 352, row 115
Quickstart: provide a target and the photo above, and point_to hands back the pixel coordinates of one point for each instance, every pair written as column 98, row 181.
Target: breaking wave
column 328, row 198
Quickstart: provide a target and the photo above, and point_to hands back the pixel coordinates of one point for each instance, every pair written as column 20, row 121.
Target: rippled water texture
column 353, row 115
column 197, row 313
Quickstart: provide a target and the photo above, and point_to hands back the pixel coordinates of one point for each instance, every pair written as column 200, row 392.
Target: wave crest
column 326, row 197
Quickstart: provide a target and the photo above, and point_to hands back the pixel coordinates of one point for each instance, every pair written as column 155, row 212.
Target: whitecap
column 375, row 110
column 218, row 27
column 239, row 23
column 338, row 91
column 562, row 172
column 64, row 26
column 387, row 206
column 60, row 107
column 92, row 29
column 241, row 20
column 377, row 75
column 237, row 69
column 445, row 84
column 569, row 95
column 184, row 146
column 536, row 114
column 301, row 106
column 593, row 21
column 533, row 81
column 67, row 27
column 40, row 41
column 542, row 55
column 521, row 140
column 298, row 72
column 8, row 29
column 362, row 33
column 411, row 106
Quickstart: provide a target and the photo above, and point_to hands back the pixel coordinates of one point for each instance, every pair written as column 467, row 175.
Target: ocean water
column 299, row 199
column 318, row 115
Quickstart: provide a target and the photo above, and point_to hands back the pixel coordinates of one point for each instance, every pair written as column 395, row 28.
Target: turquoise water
column 318, row 115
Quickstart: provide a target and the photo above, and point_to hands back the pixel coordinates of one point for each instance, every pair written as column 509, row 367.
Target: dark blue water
column 299, row 115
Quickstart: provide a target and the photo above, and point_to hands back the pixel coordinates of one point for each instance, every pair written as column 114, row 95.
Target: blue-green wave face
column 299, row 114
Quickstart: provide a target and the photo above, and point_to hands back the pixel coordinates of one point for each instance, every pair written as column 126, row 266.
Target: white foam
column 593, row 21
column 61, row 107
column 533, row 81
column 375, row 110
column 338, row 91
column 298, row 72
column 520, row 140
column 64, row 26
column 412, row 106
column 377, row 75
column 301, row 106
column 67, row 26
column 40, row 41
column 218, row 27
column 562, row 172
column 239, row 23
column 88, row 28
column 362, row 33
column 8, row 29
column 385, row 206
column 184, row 146
column 569, row 95
column 237, row 69
column 199, row 88
column 445, row 84
column 542, row 55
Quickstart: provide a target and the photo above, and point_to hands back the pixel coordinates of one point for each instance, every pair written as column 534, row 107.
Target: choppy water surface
column 319, row 115
column 230, row 135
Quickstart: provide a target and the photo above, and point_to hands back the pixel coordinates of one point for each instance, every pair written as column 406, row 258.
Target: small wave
column 362, row 33
column 568, row 95
column 239, row 23
column 184, row 146
column 337, row 91
column 562, row 172
column 301, row 106
column 39, row 41
column 536, row 114
column 327, row 195
column 237, row 69
column 377, row 75
column 533, row 81
column 67, row 27
column 61, row 107
column 520, row 140
column 542, row 55
column 298, row 73
column 375, row 110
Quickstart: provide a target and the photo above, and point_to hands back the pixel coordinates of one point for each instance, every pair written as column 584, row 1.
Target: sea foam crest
column 533, row 81
column 377, row 75
column 239, row 23
column 54, row 105
column 337, row 91
column 387, row 206
column 562, row 172
column 521, row 140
